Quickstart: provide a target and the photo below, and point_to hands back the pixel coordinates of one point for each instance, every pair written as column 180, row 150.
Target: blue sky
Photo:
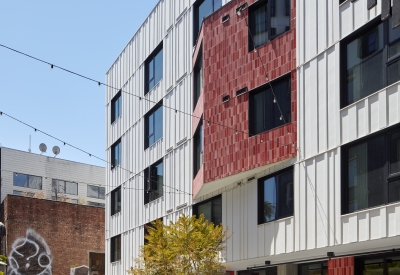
column 82, row 36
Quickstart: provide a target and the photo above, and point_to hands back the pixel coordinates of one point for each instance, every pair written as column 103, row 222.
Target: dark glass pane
column 394, row 191
column 102, row 192
column 198, row 150
column 159, row 173
column 150, row 74
column 217, row 211
column 259, row 25
column 35, row 182
column 395, row 153
column 393, row 72
column 280, row 20
column 393, row 265
column 158, row 67
column 20, row 180
column 150, row 129
column 203, row 10
column 198, row 81
column 365, row 66
column 116, row 201
column 158, row 124
column 394, row 40
column 92, row 191
column 61, row 186
column 258, row 110
column 373, row 267
column 71, row 188
column 269, row 203
column 205, row 209
column 285, row 193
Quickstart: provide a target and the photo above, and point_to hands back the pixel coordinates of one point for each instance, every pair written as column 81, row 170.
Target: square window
column 153, row 126
column 116, row 107
column 264, row 114
column 371, row 171
column 116, row 154
column 202, row 9
column 275, row 196
column 267, row 20
column 116, row 201
column 29, row 181
column 154, row 68
column 153, row 182
column 116, row 248
column 65, row 187
column 211, row 209
column 95, row 191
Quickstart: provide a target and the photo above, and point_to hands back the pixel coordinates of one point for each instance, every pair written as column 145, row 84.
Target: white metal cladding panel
column 48, row 168
column 322, row 23
column 371, row 114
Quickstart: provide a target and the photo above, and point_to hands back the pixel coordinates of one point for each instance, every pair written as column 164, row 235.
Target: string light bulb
column 281, row 118
column 51, row 66
column 274, row 99
column 99, row 83
column 262, row 139
column 208, row 123
column 239, row 12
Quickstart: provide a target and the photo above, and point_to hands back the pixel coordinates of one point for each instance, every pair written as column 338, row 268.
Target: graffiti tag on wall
column 30, row 255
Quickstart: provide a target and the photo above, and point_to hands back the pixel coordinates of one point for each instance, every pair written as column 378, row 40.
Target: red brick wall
column 69, row 230
column 341, row 266
column 229, row 66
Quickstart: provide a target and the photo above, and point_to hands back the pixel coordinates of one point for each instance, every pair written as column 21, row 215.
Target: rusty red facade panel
column 341, row 266
column 229, row 66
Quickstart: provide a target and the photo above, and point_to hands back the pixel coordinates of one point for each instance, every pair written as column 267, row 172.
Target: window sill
column 397, row 203
column 278, row 220
column 115, row 120
column 250, row 136
column 154, row 144
column 153, row 201
column 154, row 87
column 26, row 187
column 115, row 214
column 269, row 41
column 116, row 262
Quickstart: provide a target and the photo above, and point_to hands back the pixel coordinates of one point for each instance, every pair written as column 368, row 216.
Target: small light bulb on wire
column 274, row 99
column 51, row 66
column 99, row 83
column 281, row 118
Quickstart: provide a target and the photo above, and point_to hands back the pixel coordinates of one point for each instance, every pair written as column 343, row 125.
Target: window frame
column 195, row 208
column 359, row 261
column 198, row 160
column 260, row 196
column 147, row 176
column 98, row 191
column 323, row 266
column 114, row 254
column 267, row 89
column 255, row 6
column 386, row 60
column 65, row 186
column 152, row 111
column 114, row 193
column 150, row 58
column 116, row 144
column 268, row 271
column 196, row 24
column 198, row 69
column 116, row 102
column 16, row 174
column 387, row 176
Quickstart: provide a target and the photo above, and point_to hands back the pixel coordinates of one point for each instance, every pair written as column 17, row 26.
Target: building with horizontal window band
column 293, row 139
column 55, row 206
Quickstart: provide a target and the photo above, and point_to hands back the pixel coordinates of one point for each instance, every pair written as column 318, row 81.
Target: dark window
column 371, row 172
column 116, row 201
column 65, row 187
column 268, row 19
column 116, row 154
column 320, row 268
column 341, row 1
column 116, row 107
column 153, row 126
column 154, row 68
column 261, row 271
column 29, row 181
column 95, row 191
column 212, row 210
column 153, row 182
column 385, row 264
column 203, row 8
column 97, row 204
column 116, row 248
column 198, row 79
column 198, row 149
column 275, row 196
column 372, row 60
column 264, row 114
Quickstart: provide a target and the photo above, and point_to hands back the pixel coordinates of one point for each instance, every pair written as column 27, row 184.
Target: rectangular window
column 29, row 181
column 153, row 126
column 116, row 107
column 211, row 209
column 264, row 114
column 153, row 182
column 198, row 79
column 384, row 264
column 268, row 19
column 371, row 60
column 65, row 187
column 275, row 196
column 371, row 172
column 116, row 248
column 116, row 154
column 95, row 191
column 198, row 146
column 116, row 201
column 202, row 9
column 261, row 271
column 154, row 68
column 320, row 268
column 97, row 204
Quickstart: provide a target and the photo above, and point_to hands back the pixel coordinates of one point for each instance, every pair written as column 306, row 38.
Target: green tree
column 191, row 246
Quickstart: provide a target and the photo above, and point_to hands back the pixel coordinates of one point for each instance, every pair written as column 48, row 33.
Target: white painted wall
column 15, row 161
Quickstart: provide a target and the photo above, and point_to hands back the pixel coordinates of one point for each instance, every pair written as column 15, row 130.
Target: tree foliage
column 191, row 246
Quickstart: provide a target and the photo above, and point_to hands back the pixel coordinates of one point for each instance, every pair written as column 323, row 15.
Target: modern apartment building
column 289, row 136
